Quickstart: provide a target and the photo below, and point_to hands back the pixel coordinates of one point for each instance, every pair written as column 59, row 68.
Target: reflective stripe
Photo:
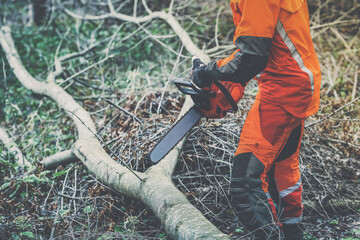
column 292, row 220
column 280, row 28
column 291, row 189
column 259, row 75
column 268, row 195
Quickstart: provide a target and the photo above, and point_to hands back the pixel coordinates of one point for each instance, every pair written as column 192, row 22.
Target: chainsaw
column 210, row 102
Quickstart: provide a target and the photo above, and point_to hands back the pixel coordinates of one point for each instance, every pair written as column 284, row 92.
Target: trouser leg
column 253, row 206
column 264, row 134
column 286, row 176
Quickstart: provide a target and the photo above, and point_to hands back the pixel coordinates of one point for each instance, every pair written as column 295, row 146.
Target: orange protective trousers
column 266, row 184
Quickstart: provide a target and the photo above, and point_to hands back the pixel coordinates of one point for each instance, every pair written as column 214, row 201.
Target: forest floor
column 69, row 203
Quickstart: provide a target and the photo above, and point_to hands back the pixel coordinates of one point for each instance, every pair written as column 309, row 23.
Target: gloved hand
column 198, row 74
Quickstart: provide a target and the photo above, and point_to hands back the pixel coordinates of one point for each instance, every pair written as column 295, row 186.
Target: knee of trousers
column 247, row 195
column 246, row 172
column 246, row 184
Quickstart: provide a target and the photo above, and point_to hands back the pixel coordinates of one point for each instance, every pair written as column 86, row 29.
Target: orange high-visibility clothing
column 274, row 46
column 273, row 36
column 266, row 170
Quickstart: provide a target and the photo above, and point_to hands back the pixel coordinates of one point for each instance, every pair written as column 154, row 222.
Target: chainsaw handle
column 227, row 94
column 189, row 88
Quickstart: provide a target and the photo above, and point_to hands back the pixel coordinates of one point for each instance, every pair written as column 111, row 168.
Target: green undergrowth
column 70, row 202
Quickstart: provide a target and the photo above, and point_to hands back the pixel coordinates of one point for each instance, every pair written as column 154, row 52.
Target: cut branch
column 60, row 158
column 180, row 218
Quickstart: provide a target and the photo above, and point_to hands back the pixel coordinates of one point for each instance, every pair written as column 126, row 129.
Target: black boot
column 293, row 231
column 249, row 199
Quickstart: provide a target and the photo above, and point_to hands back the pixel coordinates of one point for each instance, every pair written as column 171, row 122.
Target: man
column 274, row 44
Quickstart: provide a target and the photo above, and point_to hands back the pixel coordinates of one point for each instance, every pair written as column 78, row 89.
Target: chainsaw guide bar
column 214, row 102
column 176, row 133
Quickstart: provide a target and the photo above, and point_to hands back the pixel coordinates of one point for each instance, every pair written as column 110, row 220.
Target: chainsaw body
column 214, row 101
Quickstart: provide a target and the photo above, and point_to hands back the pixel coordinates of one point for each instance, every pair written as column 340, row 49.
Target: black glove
column 198, row 74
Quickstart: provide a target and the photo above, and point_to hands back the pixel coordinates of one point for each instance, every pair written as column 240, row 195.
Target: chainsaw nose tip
column 154, row 157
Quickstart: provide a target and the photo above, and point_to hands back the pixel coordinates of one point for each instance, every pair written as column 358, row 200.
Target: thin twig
column 125, row 111
column 87, row 68
column 337, row 141
column 217, row 27
column 332, row 114
column 353, row 95
column 170, row 78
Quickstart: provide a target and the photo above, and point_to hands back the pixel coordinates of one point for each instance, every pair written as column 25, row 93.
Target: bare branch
column 171, row 7
column 148, row 10
column 50, row 89
column 87, row 68
column 59, row 158
column 180, row 218
column 340, row 20
column 353, row 94
column 124, row 110
column 94, row 157
column 217, row 27
column 167, row 17
column 333, row 113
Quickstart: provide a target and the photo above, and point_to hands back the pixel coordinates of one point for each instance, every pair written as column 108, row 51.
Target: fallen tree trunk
column 154, row 187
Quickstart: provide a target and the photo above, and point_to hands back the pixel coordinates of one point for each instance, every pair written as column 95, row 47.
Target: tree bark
column 154, row 187
column 39, row 11
column 59, row 158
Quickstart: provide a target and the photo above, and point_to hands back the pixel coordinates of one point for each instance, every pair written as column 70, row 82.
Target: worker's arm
column 252, row 38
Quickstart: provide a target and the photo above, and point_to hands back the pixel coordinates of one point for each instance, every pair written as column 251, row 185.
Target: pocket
column 273, row 121
column 283, row 64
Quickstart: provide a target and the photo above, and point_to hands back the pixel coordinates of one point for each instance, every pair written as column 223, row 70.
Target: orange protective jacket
column 274, row 44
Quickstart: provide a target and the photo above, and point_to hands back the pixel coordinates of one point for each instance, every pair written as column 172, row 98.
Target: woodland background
column 113, row 52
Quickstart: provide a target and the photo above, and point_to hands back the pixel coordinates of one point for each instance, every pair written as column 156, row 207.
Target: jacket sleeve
column 256, row 21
